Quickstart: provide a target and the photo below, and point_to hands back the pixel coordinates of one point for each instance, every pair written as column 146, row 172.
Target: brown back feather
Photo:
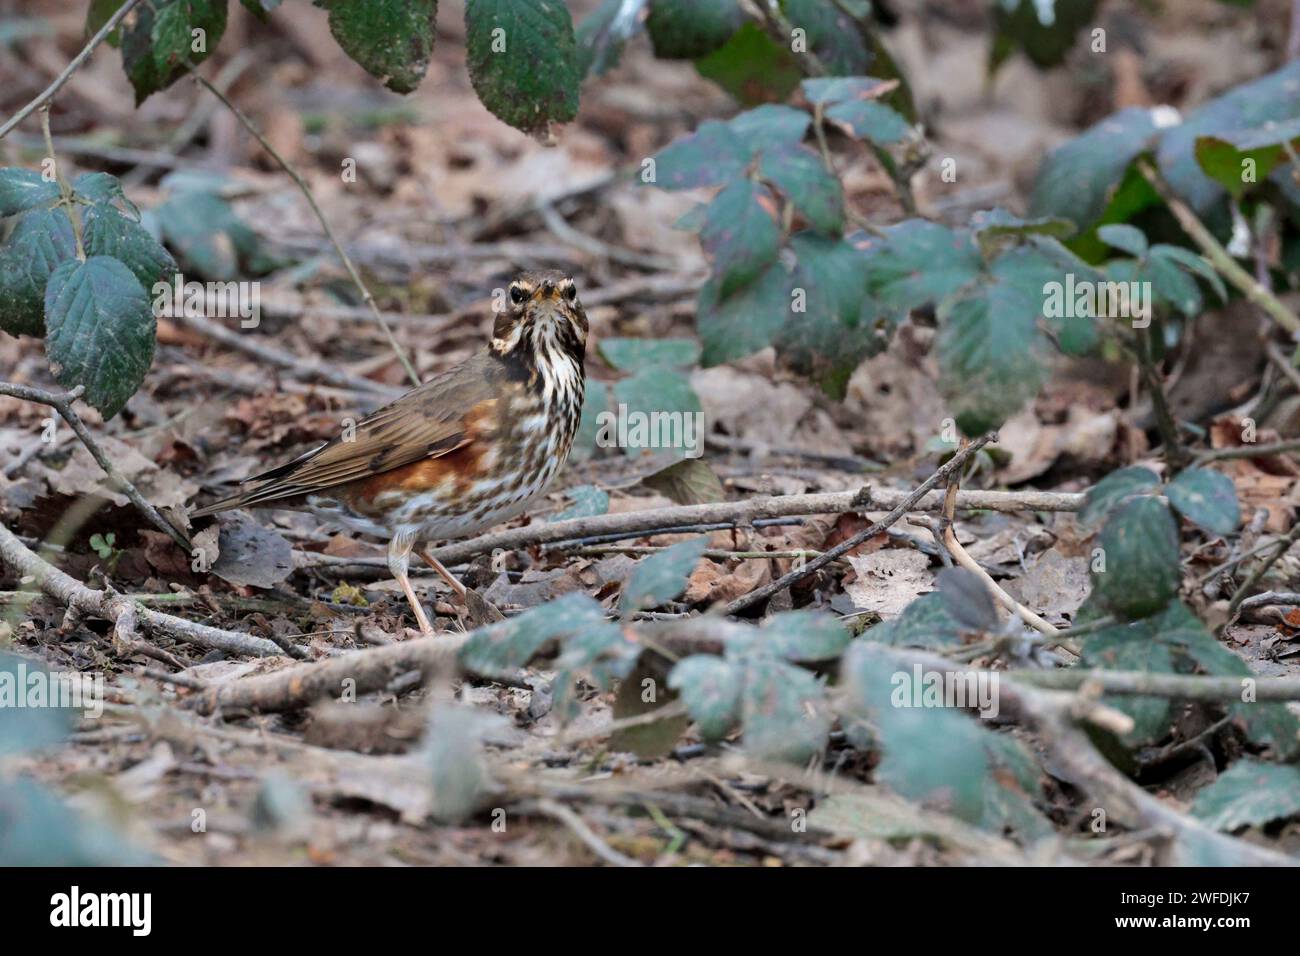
column 427, row 422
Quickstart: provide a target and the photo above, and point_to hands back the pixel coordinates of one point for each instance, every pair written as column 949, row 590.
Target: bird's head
column 541, row 314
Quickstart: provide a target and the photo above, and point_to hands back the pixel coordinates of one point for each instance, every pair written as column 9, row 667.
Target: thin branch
column 867, row 498
column 1249, row 451
column 1282, row 545
column 1175, row 454
column 1152, row 684
column 65, row 188
column 1279, row 359
column 579, row 828
column 309, row 369
column 48, row 93
column 1219, row 257
column 953, row 465
column 63, row 405
column 122, row 611
column 301, row 183
column 948, row 535
column 371, row 670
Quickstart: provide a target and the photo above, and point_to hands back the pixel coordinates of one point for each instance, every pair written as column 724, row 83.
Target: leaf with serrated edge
column 99, row 330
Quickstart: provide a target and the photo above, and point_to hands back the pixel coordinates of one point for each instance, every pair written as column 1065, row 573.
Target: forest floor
column 445, row 209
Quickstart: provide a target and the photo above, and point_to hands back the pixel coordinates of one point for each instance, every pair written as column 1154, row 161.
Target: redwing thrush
column 462, row 452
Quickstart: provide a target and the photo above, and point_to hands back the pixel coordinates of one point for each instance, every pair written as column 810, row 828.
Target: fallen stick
column 951, row 467
column 125, row 613
column 1055, row 716
column 370, row 670
column 867, row 498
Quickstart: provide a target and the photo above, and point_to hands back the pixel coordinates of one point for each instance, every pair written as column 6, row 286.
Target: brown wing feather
column 426, row 422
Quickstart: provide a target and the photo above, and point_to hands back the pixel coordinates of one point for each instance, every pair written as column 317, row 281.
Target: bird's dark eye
column 571, row 293
column 517, row 294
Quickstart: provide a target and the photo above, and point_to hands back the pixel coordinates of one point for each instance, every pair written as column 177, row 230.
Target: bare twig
column 301, row 183
column 309, row 369
column 560, row 227
column 866, row 498
column 941, row 474
column 62, row 403
column 1282, row 545
column 1175, row 454
column 948, row 535
column 1283, row 364
column 1288, row 598
column 1152, row 684
column 1218, row 256
column 48, row 93
column 575, row 823
column 371, row 669
column 1249, row 451
column 124, row 612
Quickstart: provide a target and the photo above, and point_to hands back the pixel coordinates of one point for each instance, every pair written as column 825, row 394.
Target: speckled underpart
column 465, row 450
column 516, row 453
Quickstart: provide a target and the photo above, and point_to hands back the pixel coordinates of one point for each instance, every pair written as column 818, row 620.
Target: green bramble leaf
column 711, row 689
column 594, row 401
column 662, row 576
column 106, row 232
column 160, row 37
column 802, row 637
column 1119, row 648
column 1207, row 498
column 99, row 330
column 836, row 89
column 995, row 229
column 501, row 649
column 37, row 828
column 1044, row 38
column 42, row 240
column 1238, row 113
column 523, row 61
column 746, row 321
column 740, row 234
column 801, row 176
column 770, row 125
column 1250, row 793
column 690, row 29
column 1122, row 236
column 391, row 40
column 647, row 394
column 783, row 710
column 1140, row 546
column 588, row 500
column 22, row 189
column 928, row 754
column 630, row 355
column 1106, row 495
column 752, row 67
column 710, row 156
column 1194, row 264
column 1080, row 177
column 867, row 119
column 27, row 723
column 832, row 35
column 991, row 353
column 826, row 337
column 918, row 262
column 927, row 623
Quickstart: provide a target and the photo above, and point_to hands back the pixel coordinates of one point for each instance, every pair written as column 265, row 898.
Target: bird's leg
column 399, row 554
column 457, row 588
